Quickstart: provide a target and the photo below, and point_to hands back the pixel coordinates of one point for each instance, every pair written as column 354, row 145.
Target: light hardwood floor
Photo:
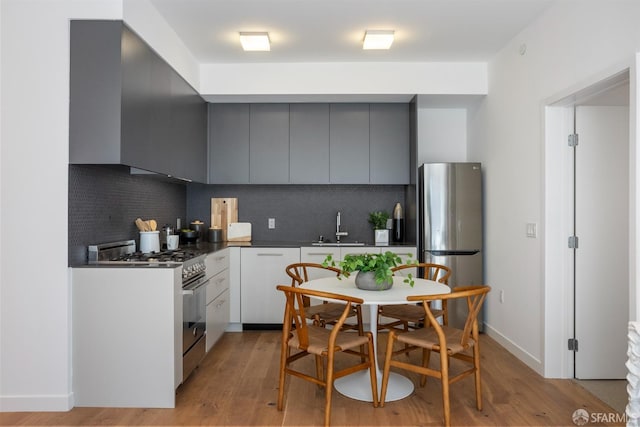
column 236, row 385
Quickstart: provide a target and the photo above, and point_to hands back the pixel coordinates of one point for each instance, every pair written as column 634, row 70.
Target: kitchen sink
column 337, row 243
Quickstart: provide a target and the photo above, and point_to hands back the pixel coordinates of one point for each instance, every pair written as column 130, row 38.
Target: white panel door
column 602, row 258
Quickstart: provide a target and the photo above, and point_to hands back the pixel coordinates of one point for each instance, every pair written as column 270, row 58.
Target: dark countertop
column 207, row 247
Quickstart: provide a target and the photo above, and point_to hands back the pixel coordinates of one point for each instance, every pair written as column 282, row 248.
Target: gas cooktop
column 124, row 252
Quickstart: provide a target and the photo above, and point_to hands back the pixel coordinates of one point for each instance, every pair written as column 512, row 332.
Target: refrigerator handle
column 449, row 253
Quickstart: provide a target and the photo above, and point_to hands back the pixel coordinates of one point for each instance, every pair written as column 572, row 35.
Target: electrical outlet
column 272, row 223
column 501, row 296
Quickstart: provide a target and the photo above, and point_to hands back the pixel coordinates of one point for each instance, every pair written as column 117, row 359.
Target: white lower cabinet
column 218, row 304
column 217, row 318
column 261, row 270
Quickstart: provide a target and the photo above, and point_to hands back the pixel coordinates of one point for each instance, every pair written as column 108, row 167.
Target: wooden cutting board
column 223, row 212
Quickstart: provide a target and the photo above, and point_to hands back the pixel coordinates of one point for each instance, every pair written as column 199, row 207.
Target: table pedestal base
column 358, row 386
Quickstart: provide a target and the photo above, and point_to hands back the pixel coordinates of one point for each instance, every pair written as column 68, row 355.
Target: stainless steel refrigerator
column 450, row 225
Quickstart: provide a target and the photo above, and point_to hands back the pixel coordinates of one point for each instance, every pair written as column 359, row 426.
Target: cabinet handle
column 320, row 253
column 270, row 254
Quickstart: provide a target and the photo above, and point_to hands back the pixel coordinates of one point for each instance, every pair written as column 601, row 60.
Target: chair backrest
column 475, row 296
column 436, row 272
column 295, row 321
column 301, row 272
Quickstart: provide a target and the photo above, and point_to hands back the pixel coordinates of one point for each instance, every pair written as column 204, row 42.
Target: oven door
column 194, row 306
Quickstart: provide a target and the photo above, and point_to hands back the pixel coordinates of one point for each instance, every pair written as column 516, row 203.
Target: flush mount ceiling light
column 255, row 41
column 377, row 39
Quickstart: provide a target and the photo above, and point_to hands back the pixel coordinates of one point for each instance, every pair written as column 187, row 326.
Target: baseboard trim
column 526, row 357
column 37, row 403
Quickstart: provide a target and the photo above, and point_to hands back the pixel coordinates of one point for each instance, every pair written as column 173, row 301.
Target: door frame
column 558, row 307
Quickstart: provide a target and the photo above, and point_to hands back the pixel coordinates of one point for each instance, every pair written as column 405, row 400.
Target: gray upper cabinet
column 129, row 107
column 269, row 143
column 229, row 143
column 309, row 143
column 389, row 144
column 349, row 144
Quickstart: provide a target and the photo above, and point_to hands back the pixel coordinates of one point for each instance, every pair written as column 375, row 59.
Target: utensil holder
column 149, row 241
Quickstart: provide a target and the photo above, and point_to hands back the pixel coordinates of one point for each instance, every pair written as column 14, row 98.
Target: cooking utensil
column 141, row 224
column 153, row 225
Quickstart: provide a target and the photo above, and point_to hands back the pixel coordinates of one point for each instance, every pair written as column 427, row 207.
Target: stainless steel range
column 194, row 285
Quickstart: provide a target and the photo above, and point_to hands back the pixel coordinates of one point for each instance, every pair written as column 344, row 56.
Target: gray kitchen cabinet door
column 309, row 143
column 228, row 143
column 160, row 118
column 389, row 144
column 137, row 95
column 94, row 110
column 187, row 152
column 269, row 144
column 349, row 144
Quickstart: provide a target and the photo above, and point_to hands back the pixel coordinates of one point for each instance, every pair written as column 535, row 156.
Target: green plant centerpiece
column 373, row 270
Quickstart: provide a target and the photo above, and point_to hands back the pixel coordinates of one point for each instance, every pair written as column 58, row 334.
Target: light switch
column 272, row 223
column 532, row 229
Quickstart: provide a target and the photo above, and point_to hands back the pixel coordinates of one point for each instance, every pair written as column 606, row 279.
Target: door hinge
column 573, row 140
column 573, row 242
column 573, row 344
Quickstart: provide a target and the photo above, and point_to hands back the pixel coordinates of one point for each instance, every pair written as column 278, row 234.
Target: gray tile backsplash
column 301, row 212
column 104, row 201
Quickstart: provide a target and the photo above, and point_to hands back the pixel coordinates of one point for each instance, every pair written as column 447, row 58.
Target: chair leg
column 387, row 366
column 444, row 369
column 328, row 389
column 319, row 370
column 476, row 365
column 405, row 324
column 284, row 355
column 426, row 356
column 372, row 371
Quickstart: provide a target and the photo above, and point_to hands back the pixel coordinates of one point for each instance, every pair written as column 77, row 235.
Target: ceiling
column 332, row 30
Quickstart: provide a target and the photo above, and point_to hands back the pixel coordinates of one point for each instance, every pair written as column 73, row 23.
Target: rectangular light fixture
column 377, row 39
column 255, row 41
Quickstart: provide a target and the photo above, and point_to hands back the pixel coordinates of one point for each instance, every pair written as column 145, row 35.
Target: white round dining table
column 358, row 385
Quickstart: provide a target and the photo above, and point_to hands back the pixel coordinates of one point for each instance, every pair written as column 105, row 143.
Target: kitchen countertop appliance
column 450, row 225
column 194, row 285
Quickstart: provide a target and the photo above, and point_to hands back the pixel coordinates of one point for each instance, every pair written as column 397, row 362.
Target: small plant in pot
column 373, row 270
column 378, row 220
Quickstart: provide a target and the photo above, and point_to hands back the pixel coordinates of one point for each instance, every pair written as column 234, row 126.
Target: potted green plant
column 378, row 220
column 373, row 270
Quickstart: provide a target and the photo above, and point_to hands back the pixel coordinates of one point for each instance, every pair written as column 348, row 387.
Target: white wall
column 570, row 46
column 383, row 78
column 442, row 135
column 34, row 291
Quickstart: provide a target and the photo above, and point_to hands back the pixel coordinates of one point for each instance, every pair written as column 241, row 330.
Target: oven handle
column 190, row 290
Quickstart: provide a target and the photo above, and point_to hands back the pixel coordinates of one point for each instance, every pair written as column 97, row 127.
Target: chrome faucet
column 338, row 232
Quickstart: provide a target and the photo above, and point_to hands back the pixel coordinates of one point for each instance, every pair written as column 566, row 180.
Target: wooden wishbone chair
column 326, row 313
column 412, row 316
column 462, row 344
column 301, row 338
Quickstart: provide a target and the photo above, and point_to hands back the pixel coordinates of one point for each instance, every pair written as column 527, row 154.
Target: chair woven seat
column 319, row 338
